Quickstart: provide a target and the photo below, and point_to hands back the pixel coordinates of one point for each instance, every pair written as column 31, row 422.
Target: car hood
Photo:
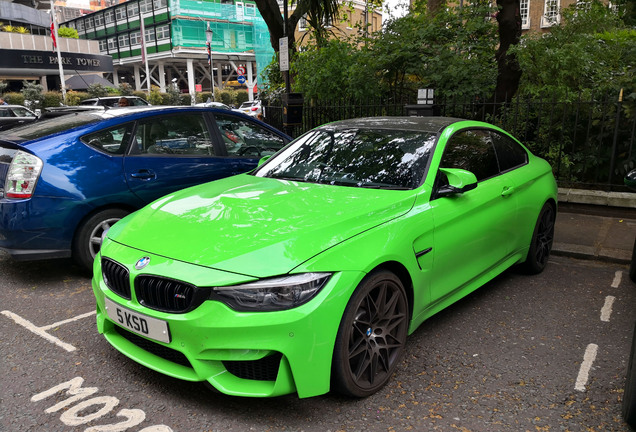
column 256, row 226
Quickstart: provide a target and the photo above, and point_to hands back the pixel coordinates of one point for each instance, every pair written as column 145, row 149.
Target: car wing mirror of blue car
column 630, row 180
column 459, row 182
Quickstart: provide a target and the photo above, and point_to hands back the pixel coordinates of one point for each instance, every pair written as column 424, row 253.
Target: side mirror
column 630, row 180
column 459, row 181
column 264, row 159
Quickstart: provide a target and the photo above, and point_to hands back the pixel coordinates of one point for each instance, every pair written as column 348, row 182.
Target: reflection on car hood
column 256, row 226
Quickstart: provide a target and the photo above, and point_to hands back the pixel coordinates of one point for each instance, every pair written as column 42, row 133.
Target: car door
column 245, row 141
column 472, row 229
column 172, row 152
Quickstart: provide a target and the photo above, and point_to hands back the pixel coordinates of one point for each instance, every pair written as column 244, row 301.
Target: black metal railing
column 589, row 142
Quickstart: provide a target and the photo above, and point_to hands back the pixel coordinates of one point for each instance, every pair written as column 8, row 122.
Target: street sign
column 241, row 79
column 283, row 52
column 240, row 70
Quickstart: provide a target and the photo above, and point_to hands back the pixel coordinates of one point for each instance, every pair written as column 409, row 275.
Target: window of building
column 120, row 13
column 109, row 16
column 99, row 19
column 149, row 35
column 103, row 45
column 123, row 40
column 550, row 13
column 525, row 14
column 163, row 32
column 159, row 4
column 133, row 9
column 112, row 44
column 80, row 25
column 135, row 38
column 145, row 6
column 89, row 23
column 302, row 23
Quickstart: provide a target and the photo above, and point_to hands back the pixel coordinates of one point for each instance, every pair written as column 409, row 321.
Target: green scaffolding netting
column 237, row 28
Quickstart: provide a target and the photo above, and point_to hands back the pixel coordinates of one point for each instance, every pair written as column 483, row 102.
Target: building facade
column 175, row 36
column 31, row 56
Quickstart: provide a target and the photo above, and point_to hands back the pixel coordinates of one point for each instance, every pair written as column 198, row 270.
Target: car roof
column 423, row 124
column 14, row 106
column 111, row 97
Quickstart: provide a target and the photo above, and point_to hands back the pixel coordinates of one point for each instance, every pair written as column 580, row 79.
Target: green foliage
column 338, row 69
column 125, row 89
column 51, row 99
column 81, row 96
column 241, row 96
column 3, row 86
column 67, row 32
column 590, row 51
column 14, row 98
column 155, row 97
column 452, row 52
column 72, row 98
column 184, row 99
column 173, row 95
column 97, row 90
column 32, row 94
column 140, row 94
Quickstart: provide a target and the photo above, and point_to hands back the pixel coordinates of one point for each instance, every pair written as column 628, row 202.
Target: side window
column 244, row 138
column 113, row 140
column 185, row 135
column 471, row 150
column 509, row 153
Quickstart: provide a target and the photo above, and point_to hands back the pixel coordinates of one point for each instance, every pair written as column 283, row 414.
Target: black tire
column 541, row 243
column 371, row 337
column 629, row 397
column 89, row 234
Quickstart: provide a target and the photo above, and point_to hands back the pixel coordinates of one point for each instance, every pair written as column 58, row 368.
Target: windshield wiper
column 383, row 186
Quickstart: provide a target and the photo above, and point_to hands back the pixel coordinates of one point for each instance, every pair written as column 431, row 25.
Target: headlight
column 274, row 294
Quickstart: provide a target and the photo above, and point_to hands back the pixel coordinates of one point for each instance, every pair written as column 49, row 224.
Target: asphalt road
column 540, row 353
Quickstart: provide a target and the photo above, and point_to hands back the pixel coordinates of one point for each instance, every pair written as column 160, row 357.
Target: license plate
column 144, row 325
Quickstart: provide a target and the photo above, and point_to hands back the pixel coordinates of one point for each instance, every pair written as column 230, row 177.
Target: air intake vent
column 116, row 277
column 265, row 369
column 168, row 295
column 155, row 348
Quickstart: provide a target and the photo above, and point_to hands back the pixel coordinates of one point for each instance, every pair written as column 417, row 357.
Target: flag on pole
column 209, row 53
column 53, row 34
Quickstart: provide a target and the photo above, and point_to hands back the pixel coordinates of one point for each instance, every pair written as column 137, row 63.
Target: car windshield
column 372, row 158
column 51, row 126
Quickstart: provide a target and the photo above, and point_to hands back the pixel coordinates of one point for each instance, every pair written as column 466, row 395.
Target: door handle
column 507, row 190
column 144, row 175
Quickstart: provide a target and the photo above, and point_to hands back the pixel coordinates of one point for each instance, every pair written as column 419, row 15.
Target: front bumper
column 258, row 354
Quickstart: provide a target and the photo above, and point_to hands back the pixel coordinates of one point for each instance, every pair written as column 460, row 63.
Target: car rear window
column 51, row 126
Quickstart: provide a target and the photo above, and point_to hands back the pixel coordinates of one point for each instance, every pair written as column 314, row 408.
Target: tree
column 67, row 32
column 32, row 94
column 97, row 90
column 508, row 69
column 590, row 51
column 451, row 52
column 319, row 10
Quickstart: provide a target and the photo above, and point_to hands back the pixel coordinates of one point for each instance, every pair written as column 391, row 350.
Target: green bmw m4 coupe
column 307, row 274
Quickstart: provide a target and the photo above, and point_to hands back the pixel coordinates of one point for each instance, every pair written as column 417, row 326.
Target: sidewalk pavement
column 596, row 225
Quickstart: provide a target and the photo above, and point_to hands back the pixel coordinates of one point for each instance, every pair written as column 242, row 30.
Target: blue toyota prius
column 66, row 180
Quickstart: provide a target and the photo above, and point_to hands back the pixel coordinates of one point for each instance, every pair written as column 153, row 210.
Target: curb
column 600, row 198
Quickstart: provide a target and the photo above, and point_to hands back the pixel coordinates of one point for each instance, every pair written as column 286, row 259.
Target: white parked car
column 251, row 108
